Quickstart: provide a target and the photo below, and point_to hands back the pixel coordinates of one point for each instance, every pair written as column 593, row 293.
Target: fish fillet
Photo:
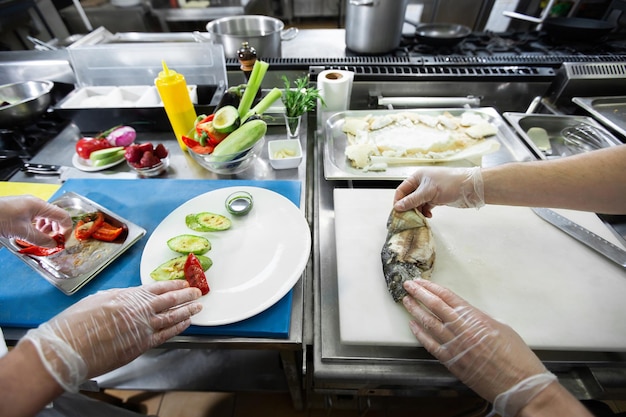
column 408, row 252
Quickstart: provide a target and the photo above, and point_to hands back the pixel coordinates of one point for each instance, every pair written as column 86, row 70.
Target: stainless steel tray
column 611, row 111
column 336, row 166
column 79, row 262
column 553, row 124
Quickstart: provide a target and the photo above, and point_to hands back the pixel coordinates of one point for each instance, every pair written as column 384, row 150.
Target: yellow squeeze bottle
column 172, row 88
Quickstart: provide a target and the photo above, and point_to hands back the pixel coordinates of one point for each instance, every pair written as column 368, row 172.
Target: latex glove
column 33, row 220
column 485, row 354
column 432, row 186
column 110, row 328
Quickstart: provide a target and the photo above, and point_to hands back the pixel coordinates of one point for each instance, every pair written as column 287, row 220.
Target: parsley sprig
column 300, row 99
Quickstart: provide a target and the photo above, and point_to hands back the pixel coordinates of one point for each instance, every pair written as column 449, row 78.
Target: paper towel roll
column 335, row 88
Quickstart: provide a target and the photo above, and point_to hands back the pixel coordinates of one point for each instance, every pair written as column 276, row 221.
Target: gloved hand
column 110, row 328
column 33, row 220
column 432, row 186
column 486, row 355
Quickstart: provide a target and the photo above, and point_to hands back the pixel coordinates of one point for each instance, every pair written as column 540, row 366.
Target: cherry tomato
column 85, row 146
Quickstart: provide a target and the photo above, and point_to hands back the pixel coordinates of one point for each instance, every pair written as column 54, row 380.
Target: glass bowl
column 229, row 164
column 153, row 171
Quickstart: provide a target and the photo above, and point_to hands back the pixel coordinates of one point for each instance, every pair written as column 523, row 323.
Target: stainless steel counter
column 376, row 371
column 190, row 368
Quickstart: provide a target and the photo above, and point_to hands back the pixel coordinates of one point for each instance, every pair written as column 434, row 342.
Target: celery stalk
column 264, row 104
column 256, row 78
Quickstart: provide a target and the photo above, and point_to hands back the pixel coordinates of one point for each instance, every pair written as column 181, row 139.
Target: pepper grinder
column 247, row 57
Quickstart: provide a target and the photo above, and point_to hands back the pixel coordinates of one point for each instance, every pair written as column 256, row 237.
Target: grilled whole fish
column 408, row 252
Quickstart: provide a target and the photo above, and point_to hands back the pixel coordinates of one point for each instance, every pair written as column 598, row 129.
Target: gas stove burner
column 513, row 48
column 27, row 140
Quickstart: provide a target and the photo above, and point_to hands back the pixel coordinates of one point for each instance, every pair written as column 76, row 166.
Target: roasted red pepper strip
column 30, row 249
column 194, row 274
column 88, row 225
column 107, row 232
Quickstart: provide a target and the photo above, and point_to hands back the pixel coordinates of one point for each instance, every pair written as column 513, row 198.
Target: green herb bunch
column 300, row 99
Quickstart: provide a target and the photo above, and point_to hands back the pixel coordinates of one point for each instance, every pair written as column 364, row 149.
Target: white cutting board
column 554, row 291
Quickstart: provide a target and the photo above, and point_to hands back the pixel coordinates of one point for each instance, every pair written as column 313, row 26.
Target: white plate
column 255, row 262
column 85, row 165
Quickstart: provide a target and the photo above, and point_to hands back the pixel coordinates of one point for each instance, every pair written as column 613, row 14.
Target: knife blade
column 583, row 235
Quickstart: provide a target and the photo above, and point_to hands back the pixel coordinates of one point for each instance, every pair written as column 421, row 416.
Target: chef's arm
column 26, row 387
column 593, row 181
column 485, row 354
column 96, row 335
column 554, row 400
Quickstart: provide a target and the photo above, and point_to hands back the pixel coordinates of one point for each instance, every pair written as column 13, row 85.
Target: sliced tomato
column 85, row 146
column 194, row 274
column 107, row 232
column 87, row 225
column 30, row 249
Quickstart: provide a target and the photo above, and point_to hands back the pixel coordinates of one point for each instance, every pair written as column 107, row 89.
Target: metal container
column 264, row 33
column 23, row 101
column 374, row 26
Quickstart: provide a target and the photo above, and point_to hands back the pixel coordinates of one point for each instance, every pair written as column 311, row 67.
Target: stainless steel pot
column 374, row 26
column 23, row 101
column 264, row 33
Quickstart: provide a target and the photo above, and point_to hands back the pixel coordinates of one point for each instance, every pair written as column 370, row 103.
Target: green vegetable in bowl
column 241, row 139
column 226, row 120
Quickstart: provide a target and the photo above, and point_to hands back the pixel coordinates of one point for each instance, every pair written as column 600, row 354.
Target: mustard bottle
column 172, row 88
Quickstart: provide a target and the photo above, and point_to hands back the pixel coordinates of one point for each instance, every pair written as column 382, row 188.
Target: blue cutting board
column 27, row 299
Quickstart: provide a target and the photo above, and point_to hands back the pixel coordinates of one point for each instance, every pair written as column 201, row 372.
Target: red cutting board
column 557, row 293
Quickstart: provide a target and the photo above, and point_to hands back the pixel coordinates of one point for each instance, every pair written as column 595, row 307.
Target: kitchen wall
column 318, row 8
column 471, row 13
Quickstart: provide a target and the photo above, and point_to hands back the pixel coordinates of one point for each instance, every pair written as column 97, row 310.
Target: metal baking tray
column 611, row 111
column 337, row 167
column 553, row 124
column 80, row 262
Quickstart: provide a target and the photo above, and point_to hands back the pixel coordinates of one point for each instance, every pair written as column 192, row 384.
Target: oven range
column 490, row 47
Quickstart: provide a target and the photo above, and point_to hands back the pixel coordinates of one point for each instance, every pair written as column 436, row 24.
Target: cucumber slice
column 109, row 159
column 226, row 119
column 207, row 222
column 187, row 244
column 175, row 268
column 105, row 153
